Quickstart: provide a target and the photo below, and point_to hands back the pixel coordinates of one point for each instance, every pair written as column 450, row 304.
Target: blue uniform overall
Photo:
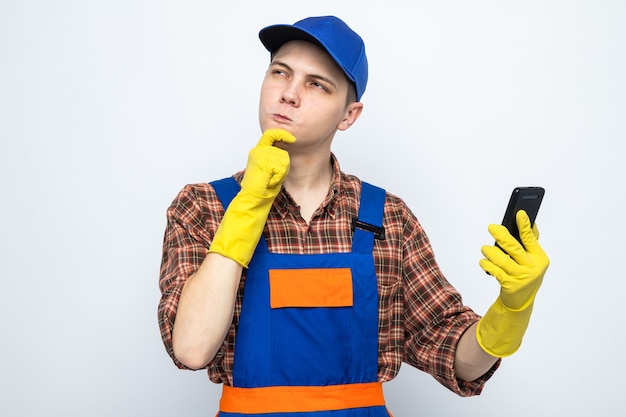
column 307, row 341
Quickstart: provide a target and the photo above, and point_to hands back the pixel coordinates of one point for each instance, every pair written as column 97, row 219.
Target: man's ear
column 353, row 112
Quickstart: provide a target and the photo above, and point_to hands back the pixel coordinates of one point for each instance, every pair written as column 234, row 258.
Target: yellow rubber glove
column 519, row 269
column 241, row 228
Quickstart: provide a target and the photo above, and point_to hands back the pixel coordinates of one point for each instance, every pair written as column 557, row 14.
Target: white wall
column 107, row 108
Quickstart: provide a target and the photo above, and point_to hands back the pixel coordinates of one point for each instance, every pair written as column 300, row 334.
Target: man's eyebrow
column 316, row 76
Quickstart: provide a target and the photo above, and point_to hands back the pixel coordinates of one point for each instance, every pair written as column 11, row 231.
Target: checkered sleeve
column 435, row 317
column 191, row 223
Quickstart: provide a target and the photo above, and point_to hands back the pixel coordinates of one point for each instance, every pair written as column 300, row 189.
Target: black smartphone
column 522, row 198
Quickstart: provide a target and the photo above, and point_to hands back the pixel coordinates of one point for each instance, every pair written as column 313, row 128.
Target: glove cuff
column 501, row 330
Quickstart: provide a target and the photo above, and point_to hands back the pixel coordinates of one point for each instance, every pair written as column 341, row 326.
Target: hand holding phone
column 519, row 271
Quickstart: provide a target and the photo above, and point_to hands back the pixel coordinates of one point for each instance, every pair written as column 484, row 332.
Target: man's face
column 304, row 92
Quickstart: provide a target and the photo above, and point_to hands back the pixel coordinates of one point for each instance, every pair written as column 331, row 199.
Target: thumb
column 526, row 232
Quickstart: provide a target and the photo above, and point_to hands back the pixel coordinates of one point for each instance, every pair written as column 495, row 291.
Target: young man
column 302, row 288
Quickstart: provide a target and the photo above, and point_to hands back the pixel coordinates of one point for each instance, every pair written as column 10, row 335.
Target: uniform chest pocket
column 313, row 287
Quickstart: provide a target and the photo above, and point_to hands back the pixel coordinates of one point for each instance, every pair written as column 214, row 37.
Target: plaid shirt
column 421, row 316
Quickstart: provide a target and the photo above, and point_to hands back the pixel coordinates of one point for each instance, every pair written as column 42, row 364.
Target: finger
column 271, row 136
column 492, row 269
column 527, row 236
column 536, row 231
column 500, row 259
column 280, row 170
column 507, row 242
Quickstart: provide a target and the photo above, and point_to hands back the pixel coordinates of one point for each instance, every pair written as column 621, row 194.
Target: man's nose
column 291, row 94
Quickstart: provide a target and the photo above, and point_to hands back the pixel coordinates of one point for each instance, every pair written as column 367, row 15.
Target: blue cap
column 343, row 44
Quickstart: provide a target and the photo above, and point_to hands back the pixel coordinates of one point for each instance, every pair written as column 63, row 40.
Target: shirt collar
column 284, row 203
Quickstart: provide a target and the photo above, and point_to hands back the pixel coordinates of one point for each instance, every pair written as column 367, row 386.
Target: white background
column 108, row 108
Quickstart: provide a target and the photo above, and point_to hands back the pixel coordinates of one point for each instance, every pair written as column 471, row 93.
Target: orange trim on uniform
column 313, row 287
column 294, row 399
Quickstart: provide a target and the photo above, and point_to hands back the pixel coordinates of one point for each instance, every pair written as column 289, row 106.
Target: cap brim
column 273, row 37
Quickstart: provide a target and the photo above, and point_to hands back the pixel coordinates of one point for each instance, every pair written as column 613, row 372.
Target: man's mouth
column 281, row 117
